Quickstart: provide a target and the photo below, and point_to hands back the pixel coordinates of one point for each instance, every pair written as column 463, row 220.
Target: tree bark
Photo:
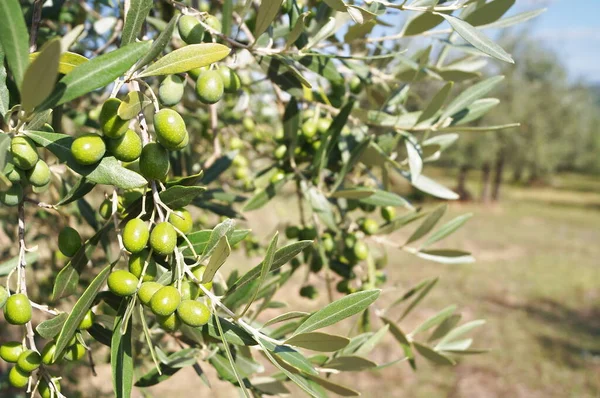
column 498, row 172
column 486, row 173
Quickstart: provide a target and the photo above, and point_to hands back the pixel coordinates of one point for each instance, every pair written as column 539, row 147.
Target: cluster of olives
column 23, row 167
column 171, row 305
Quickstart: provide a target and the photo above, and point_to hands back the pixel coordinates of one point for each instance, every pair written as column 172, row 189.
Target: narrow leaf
column 217, row 259
column 50, row 328
column 447, row 229
column 446, row 256
column 459, row 331
column 471, row 94
column 432, row 355
column 40, row 76
column 121, row 360
column 187, row 58
column 159, row 44
column 427, row 224
column 138, row 11
column 434, row 320
column 338, row 389
column 267, row 11
column 350, row 364
column 318, row 341
column 433, row 188
column 489, row 12
column 134, row 103
column 396, row 332
column 14, row 38
column 436, row 103
column 285, row 317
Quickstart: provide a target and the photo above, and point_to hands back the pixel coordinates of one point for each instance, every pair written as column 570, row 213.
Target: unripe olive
column 213, row 22
column 74, row 352
column 41, row 189
column 248, row 123
column 182, row 220
column 280, row 152
column 105, row 209
column 17, row 310
column 3, row 296
column 323, row 125
column 154, row 162
column 136, row 265
column 147, row 290
column 292, row 232
column 366, row 207
column 189, row 290
column 88, row 149
column 328, row 243
column 15, row 174
column 193, row 313
column 277, row 176
column 309, row 291
column 110, row 122
column 135, row 235
column 69, row 241
column 199, row 273
column 190, row 29
column 240, row 161
column 46, row 390
column 308, row 233
column 87, row 321
column 361, row 250
column 350, row 240
column 369, row 226
column 236, row 143
column 169, row 127
column 355, row 85
column 165, row 301
column 12, row 196
column 194, row 73
column 39, row 175
column 231, row 80
column 209, row 87
column 163, row 238
column 24, row 153
column 122, row 283
column 18, row 378
column 48, row 353
column 10, row 351
column 29, row 360
column 241, row 173
column 170, row 323
column 309, row 129
column 388, row 213
column 126, row 148
column 343, row 286
column 170, row 90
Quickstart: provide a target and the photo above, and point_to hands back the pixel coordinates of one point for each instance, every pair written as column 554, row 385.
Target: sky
column 572, row 28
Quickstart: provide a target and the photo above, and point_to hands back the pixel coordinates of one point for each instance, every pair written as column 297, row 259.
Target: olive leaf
column 40, row 76
column 14, row 38
column 187, row 58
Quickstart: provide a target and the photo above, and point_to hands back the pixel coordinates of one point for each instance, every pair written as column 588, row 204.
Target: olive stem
column 215, row 133
column 35, row 23
column 115, row 204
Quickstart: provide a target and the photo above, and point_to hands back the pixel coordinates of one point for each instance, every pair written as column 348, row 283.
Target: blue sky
column 572, row 27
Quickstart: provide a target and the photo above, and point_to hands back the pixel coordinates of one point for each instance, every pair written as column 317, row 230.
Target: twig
column 22, row 265
column 215, row 133
column 35, row 24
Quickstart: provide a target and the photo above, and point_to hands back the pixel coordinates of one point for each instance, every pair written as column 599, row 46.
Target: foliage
column 296, row 109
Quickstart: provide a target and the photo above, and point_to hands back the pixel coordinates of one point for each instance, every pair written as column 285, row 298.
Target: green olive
column 190, row 29
column 292, row 232
column 48, row 353
column 369, row 226
column 236, row 143
column 46, row 390
column 193, row 313
column 147, row 290
column 194, row 73
column 170, row 323
column 163, row 238
column 189, row 290
column 280, row 152
column 87, row 321
column 323, row 125
column 171, row 90
column 39, row 175
column 24, row 153
column 105, row 209
column 88, row 149
column 69, row 241
column 209, row 87
column 135, row 235
column 75, row 352
column 136, row 265
column 199, row 273
column 122, row 283
column 110, row 122
column 277, row 176
column 361, row 250
column 388, row 213
column 12, row 196
column 184, row 143
column 182, row 220
column 355, row 85
column 29, row 360
column 309, row 129
column 10, row 351
column 126, row 148
column 309, row 291
column 154, row 162
column 231, row 81
column 169, row 127
column 18, row 378
column 248, row 124
column 165, row 301
column 213, row 22
column 17, row 310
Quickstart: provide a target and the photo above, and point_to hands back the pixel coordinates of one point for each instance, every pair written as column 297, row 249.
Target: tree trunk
column 517, row 173
column 486, row 173
column 461, row 188
column 499, row 170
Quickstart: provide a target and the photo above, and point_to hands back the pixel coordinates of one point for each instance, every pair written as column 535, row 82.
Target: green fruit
column 169, row 323
column 209, row 87
column 46, row 390
column 343, row 286
column 277, row 176
column 163, row 238
column 110, row 122
column 190, row 29
column 48, row 353
column 367, row 208
column 15, row 174
column 236, row 143
column 241, row 173
column 18, row 378
column 189, row 290
column 328, row 243
column 193, row 313
column 323, row 125
column 309, row 129
column 184, row 143
column 292, row 232
column 199, row 273
column 248, row 123
column 88, row 149
column 126, row 148
column 10, row 351
column 213, row 22
column 165, row 301
column 280, row 152
column 388, row 213
column 105, row 209
column 361, row 250
column 29, row 360
column 169, row 127
column 147, row 290
column 240, row 161
column 231, row 80
column 12, row 196
column 24, row 153
column 355, row 85
column 69, row 241
column 182, row 220
column 136, row 265
column 17, row 310
column 194, row 73
column 135, row 235
column 154, row 162
column 170, row 90
column 87, row 321
column 309, row 291
column 3, row 296
column 369, row 226
column 350, row 240
column 39, row 175
column 122, row 283
column 75, row 352
column 308, row 233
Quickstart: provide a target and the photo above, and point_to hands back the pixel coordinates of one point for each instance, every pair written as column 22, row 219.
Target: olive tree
column 136, row 134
